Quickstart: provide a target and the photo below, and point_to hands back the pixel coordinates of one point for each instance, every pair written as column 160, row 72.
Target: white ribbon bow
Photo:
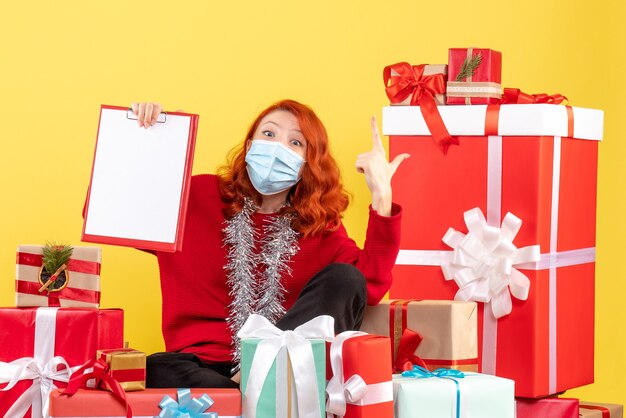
column 338, row 392
column 42, row 375
column 301, row 356
column 484, row 260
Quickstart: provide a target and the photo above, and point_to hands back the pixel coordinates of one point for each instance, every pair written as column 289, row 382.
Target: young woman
column 265, row 236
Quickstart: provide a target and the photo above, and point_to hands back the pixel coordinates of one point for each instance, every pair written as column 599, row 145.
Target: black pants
column 339, row 290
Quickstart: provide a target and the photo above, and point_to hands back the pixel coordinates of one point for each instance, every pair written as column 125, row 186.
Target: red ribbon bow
column 406, row 358
column 411, row 81
column 101, row 373
column 516, row 96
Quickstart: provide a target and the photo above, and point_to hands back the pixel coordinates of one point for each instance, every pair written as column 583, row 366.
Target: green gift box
column 279, row 395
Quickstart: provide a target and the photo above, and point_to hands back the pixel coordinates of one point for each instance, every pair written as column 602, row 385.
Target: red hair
column 318, row 200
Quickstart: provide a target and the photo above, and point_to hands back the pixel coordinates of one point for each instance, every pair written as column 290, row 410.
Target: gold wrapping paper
column 616, row 411
column 125, row 361
column 449, row 329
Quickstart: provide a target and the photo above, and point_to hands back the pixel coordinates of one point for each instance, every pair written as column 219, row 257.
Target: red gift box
column 546, row 407
column 521, row 159
column 42, row 344
column 360, row 386
column 484, row 86
column 98, row 403
column 82, row 287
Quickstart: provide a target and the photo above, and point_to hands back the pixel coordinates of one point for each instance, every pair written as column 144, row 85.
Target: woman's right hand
column 147, row 113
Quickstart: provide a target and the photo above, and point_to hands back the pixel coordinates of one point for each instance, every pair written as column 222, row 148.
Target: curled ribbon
column 411, row 81
column 187, row 406
column 484, row 260
column 98, row 370
column 300, row 354
column 42, row 375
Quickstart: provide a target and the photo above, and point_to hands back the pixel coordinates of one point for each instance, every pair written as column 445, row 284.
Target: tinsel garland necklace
column 265, row 295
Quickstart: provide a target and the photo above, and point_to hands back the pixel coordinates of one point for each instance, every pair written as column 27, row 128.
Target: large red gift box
column 539, row 162
column 145, row 403
column 546, row 407
column 38, row 345
column 360, row 386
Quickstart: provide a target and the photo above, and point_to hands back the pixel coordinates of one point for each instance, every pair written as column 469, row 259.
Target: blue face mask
column 272, row 167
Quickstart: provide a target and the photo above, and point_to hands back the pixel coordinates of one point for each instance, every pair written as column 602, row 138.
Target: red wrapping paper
column 435, row 190
column 79, row 334
column 546, row 408
column 368, row 356
column 98, row 403
column 489, row 71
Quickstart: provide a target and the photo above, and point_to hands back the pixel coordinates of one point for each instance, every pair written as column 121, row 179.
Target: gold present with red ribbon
column 82, row 279
column 483, row 85
column 412, row 85
column 412, row 79
column 127, row 366
column 430, row 333
column 537, row 161
column 600, row 410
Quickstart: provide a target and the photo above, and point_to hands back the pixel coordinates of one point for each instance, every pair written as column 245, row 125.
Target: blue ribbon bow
column 186, row 407
column 420, row 372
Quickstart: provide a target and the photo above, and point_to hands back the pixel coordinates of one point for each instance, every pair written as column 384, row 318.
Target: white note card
column 137, row 180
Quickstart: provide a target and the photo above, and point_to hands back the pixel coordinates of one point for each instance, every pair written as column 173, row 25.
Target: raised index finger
column 377, row 143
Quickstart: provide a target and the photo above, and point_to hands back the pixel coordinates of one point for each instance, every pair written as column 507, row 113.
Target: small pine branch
column 469, row 67
column 55, row 255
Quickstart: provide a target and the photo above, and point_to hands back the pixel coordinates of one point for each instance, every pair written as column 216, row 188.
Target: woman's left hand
column 378, row 172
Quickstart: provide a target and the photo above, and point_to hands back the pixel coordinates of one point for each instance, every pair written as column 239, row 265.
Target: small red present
column 41, row 347
column 77, row 285
column 546, row 407
column 537, row 162
column 225, row 403
column 360, row 386
column 474, row 76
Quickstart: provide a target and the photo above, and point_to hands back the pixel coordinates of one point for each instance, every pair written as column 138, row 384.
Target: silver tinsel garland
column 249, row 295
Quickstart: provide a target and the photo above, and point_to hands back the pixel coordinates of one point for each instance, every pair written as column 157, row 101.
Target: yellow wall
column 227, row 60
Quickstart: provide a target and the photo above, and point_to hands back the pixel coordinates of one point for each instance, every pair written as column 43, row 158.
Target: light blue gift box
column 478, row 396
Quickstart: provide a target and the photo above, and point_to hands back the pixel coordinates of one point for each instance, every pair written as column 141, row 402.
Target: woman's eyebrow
column 274, row 123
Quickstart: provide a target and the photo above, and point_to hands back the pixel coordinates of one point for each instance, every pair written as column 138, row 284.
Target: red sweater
column 194, row 283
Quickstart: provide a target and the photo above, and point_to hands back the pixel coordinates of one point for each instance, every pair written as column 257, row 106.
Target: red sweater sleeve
column 379, row 253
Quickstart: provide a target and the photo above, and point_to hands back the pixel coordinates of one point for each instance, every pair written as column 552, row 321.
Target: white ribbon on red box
column 354, row 390
column 550, row 261
column 43, row 368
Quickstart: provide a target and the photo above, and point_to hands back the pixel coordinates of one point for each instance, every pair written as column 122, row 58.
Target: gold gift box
column 449, row 330
column 127, row 366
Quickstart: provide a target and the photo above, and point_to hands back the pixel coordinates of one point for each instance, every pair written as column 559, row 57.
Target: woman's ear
column 248, row 145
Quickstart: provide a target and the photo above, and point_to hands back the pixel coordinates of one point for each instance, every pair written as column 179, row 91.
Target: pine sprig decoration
column 469, row 67
column 55, row 255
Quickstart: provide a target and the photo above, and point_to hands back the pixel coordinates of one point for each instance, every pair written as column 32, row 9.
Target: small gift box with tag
column 58, row 275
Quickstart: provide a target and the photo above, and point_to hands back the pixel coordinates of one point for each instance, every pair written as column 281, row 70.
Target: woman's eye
column 268, row 133
column 296, row 142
